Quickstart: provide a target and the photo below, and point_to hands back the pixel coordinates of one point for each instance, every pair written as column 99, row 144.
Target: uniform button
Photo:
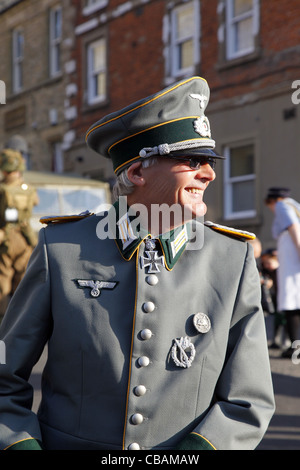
column 144, row 361
column 148, row 307
column 134, row 446
column 140, row 390
column 146, row 334
column 152, row 279
column 137, row 418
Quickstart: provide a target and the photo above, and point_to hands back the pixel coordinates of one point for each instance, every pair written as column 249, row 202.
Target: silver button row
column 143, row 361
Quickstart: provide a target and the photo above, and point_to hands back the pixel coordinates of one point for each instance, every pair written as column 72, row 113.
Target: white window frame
column 229, row 181
column 17, row 60
column 55, row 42
column 92, row 6
column 175, row 42
column 231, row 22
column 58, row 157
column 91, row 72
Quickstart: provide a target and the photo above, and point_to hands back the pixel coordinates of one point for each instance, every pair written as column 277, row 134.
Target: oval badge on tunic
column 201, row 322
column 179, row 352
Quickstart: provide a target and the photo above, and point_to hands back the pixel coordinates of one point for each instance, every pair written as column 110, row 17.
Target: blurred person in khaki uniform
column 17, row 238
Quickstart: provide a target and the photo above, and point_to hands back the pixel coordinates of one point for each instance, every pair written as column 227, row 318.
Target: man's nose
column 206, row 172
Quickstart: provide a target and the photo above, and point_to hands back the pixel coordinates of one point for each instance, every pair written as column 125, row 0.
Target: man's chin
column 194, row 211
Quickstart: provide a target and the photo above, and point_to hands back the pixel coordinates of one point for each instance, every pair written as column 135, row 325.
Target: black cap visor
column 196, row 152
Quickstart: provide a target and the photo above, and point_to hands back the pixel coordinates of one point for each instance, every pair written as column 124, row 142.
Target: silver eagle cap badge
column 96, row 286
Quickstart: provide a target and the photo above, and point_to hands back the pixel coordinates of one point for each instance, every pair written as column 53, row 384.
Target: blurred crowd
column 279, row 269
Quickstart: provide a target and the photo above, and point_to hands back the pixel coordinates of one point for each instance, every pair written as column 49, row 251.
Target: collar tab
column 129, row 237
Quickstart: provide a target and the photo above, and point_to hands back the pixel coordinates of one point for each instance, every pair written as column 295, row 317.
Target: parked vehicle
column 65, row 195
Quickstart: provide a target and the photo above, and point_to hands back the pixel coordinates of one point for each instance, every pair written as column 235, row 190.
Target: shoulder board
column 233, row 232
column 61, row 219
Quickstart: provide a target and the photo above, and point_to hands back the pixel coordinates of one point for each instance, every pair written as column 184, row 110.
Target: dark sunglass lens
column 196, row 163
column 212, row 162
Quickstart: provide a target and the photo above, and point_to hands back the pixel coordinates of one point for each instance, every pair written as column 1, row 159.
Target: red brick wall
column 280, row 21
column 136, row 66
column 276, row 63
column 135, row 60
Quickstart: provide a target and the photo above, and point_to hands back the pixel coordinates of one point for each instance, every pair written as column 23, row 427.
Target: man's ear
column 135, row 174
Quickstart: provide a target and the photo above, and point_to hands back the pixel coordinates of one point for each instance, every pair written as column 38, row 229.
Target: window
column 55, row 41
column 185, row 32
column 93, row 5
column 239, row 182
column 241, row 27
column 17, row 59
column 57, row 157
column 96, row 70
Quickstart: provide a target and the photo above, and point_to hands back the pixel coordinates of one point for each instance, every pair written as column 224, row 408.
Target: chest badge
column 96, row 286
column 201, row 322
column 180, row 354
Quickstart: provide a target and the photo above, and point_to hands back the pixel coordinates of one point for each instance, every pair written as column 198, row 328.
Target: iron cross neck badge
column 152, row 261
column 96, row 286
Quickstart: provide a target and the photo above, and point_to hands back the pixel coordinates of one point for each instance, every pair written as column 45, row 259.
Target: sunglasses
column 195, row 163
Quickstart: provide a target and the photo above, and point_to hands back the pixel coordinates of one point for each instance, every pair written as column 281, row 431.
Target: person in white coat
column 286, row 230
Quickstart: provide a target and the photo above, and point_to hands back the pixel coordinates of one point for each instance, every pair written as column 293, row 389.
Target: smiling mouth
column 194, row 190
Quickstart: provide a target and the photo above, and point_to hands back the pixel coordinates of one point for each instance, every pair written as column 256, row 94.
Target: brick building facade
column 128, row 38
column 36, row 37
column 115, row 52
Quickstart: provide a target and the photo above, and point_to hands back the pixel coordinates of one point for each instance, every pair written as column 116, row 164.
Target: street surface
column 284, row 430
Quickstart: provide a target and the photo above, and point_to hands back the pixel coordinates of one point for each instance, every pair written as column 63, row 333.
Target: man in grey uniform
column 156, row 338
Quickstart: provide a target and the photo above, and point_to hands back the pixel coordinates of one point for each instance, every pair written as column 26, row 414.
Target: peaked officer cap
column 275, row 192
column 169, row 123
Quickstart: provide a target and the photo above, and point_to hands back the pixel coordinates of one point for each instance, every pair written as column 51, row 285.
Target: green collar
column 129, row 234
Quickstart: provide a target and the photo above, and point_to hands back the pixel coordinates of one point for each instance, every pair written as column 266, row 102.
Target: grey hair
column 123, row 185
